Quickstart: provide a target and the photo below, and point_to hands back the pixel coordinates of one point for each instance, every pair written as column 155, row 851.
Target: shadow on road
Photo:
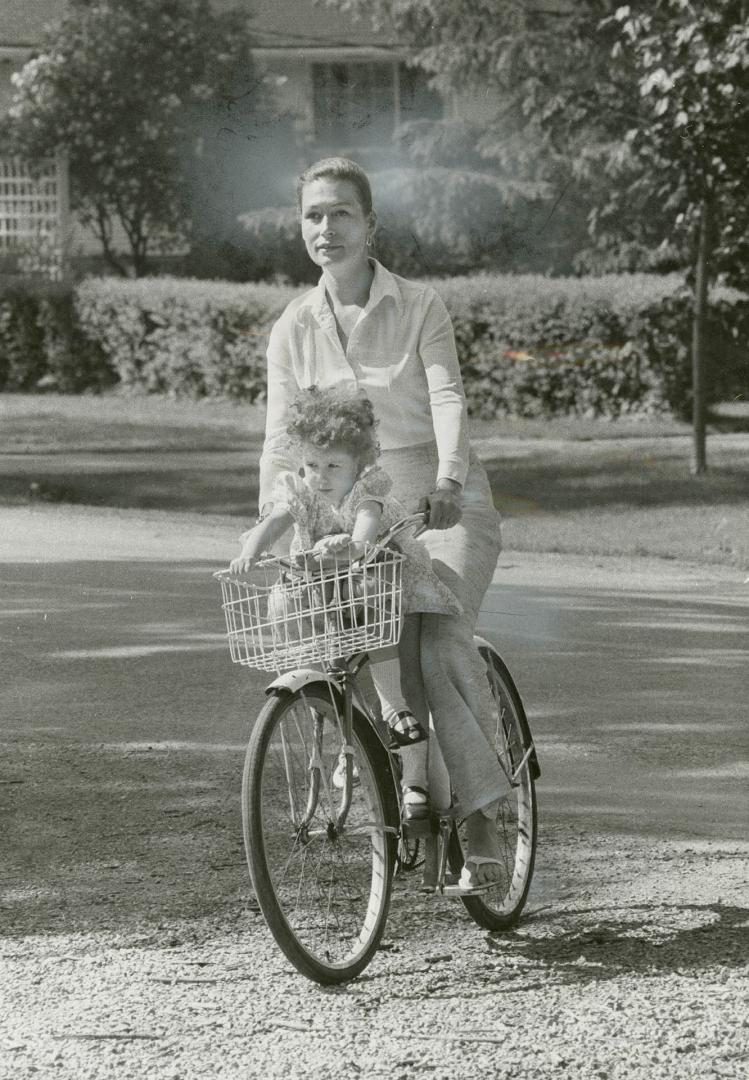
column 534, row 476
column 123, row 736
column 603, row 943
column 124, row 727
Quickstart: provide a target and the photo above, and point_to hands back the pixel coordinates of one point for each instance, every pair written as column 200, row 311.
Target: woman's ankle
column 414, row 761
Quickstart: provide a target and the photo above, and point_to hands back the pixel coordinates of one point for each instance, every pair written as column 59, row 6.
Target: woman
column 394, row 340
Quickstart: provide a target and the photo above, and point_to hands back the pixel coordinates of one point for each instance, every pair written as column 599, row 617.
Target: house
column 346, row 85
column 331, row 85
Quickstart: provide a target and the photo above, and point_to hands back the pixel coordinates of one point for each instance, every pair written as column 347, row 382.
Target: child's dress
column 315, row 517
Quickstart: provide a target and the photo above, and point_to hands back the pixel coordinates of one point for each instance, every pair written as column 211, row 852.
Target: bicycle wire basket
column 291, row 614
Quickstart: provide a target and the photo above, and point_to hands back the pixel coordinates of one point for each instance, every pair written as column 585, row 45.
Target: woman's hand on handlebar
column 444, row 505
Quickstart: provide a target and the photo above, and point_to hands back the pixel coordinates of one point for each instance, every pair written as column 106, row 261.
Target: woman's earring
column 370, row 240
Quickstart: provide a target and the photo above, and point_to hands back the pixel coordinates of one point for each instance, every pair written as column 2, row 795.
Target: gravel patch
column 629, row 963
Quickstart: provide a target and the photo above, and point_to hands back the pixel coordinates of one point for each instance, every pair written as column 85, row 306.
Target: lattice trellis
column 34, row 214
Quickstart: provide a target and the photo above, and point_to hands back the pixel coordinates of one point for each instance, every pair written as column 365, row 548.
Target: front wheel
column 322, row 874
column 517, row 815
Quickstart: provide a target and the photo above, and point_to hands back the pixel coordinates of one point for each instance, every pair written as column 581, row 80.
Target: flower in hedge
column 517, row 354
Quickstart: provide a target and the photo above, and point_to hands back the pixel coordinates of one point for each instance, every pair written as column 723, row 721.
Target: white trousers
column 451, row 679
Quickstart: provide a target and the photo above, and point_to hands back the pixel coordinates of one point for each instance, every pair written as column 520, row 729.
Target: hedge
column 42, row 341
column 529, row 345
column 183, row 337
column 596, row 346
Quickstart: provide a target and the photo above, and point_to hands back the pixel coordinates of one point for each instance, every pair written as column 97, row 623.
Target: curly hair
column 338, row 416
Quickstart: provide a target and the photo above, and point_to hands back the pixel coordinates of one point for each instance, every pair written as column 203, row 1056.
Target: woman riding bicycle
column 393, row 339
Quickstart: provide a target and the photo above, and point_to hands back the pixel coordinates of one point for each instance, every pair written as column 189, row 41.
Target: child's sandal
column 406, row 730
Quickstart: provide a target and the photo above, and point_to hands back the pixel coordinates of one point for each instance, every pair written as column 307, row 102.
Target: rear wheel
column 517, row 822
column 323, row 884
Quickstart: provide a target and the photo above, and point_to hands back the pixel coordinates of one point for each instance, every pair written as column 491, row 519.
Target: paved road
column 130, row 945
column 634, row 673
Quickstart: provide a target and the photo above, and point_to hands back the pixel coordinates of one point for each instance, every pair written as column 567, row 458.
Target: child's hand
column 243, row 564
column 333, row 545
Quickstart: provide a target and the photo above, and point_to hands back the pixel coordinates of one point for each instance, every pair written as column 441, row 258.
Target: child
column 337, row 504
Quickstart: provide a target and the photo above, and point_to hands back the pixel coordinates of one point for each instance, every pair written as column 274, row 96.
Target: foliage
column 272, row 245
column 432, row 220
column 534, row 346
column 645, row 105
column 441, row 220
column 685, row 146
column 528, row 345
column 41, row 342
column 183, row 337
column 663, row 333
column 527, row 71
column 514, row 55
column 642, row 109
column 124, row 90
column 449, row 143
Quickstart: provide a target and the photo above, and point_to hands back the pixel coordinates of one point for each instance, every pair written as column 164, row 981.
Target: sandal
column 467, row 883
column 416, row 806
column 405, row 730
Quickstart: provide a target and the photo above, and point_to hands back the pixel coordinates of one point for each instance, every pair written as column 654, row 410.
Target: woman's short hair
column 338, row 168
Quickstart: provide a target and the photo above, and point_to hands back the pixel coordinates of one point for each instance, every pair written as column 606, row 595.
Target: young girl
column 337, row 504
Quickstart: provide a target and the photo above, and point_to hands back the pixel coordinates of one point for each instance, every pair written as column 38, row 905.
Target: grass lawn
column 59, row 423
column 588, row 487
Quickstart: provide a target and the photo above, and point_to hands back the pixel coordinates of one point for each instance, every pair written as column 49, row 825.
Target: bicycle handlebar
column 418, row 519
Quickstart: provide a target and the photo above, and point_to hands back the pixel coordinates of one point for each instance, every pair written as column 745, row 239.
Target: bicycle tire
column 517, row 817
column 324, row 894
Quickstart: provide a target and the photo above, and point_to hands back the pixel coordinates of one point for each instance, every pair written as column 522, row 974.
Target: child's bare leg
column 395, row 691
column 413, row 758
column 399, row 681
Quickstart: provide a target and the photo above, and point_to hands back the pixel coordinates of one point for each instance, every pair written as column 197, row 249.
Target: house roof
column 275, row 24
column 309, row 24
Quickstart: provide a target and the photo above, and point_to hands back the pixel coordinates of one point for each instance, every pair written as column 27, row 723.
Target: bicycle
column 320, row 790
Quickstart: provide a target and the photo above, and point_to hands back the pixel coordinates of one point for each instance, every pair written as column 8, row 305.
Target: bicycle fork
column 319, row 781
column 347, row 749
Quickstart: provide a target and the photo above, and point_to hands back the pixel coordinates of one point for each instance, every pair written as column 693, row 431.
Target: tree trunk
column 104, row 232
column 699, row 456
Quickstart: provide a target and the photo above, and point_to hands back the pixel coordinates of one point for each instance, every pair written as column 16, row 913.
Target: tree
column 644, row 106
column 524, row 59
column 124, row 88
column 686, row 153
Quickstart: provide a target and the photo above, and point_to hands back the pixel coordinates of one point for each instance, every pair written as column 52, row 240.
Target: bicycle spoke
column 330, row 884
column 499, row 907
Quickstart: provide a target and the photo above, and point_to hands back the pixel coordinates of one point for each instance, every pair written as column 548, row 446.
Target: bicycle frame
column 342, row 679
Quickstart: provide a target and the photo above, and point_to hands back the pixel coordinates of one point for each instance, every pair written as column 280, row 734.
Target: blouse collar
column 383, row 284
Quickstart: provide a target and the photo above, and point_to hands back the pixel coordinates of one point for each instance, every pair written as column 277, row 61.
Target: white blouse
column 401, row 352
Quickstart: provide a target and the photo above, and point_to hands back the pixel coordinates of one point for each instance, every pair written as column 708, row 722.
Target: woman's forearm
column 273, row 462
column 446, row 396
column 276, row 456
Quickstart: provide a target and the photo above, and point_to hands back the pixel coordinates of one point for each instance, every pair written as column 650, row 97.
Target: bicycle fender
column 535, row 768
column 291, row 681
column 482, row 643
